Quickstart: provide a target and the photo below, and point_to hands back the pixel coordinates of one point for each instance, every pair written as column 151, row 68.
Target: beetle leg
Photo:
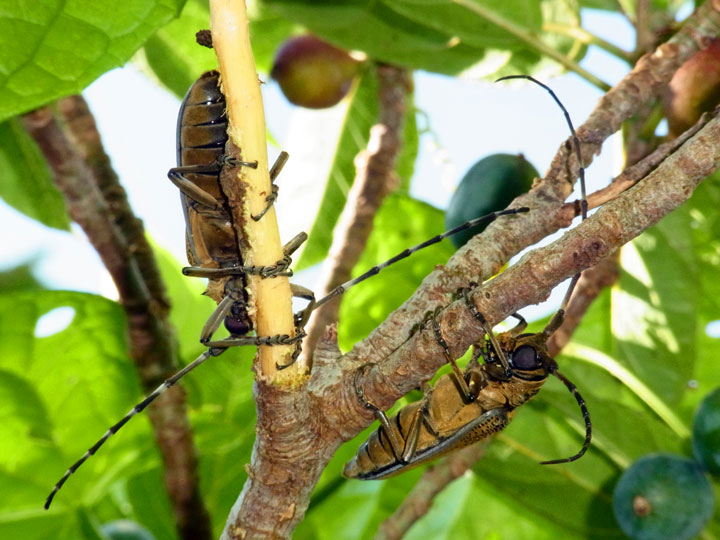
column 190, row 189
column 459, row 377
column 216, row 318
column 488, row 330
column 301, row 319
column 278, row 269
column 274, row 172
column 520, row 326
column 421, row 417
column 280, row 339
column 398, row 448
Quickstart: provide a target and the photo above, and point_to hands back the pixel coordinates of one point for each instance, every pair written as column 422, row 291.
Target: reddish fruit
column 694, row 89
column 312, row 73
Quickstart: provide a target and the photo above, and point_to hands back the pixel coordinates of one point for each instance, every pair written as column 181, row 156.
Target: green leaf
column 365, row 306
column 486, row 38
column 360, row 116
column 655, row 307
column 73, row 385
column 53, row 48
column 172, row 53
column 19, row 278
column 26, row 183
column 457, row 514
column 405, row 164
column 177, row 60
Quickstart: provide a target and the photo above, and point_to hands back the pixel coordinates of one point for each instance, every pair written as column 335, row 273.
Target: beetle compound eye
column 525, row 358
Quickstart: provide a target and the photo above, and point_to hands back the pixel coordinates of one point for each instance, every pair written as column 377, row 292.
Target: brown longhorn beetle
column 212, row 246
column 464, row 408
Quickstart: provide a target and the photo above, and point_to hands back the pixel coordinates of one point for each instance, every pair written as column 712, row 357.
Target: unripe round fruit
column 694, row 89
column 663, row 497
column 124, row 529
column 312, row 73
column 706, row 432
column 488, row 186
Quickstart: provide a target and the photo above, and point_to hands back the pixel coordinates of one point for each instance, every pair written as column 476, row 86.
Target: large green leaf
column 53, row 48
column 487, row 38
column 26, row 182
column 72, row 385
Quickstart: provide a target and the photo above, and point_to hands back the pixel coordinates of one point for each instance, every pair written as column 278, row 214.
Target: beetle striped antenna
column 586, row 417
column 135, row 410
column 557, row 319
column 340, row 289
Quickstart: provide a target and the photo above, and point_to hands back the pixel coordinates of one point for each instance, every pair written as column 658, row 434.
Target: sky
column 467, row 121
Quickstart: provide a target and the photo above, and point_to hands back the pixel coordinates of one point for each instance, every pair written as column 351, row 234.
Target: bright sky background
column 469, row 120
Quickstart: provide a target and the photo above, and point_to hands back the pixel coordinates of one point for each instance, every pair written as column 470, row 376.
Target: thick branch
column 537, row 273
column 510, row 236
column 374, row 179
column 298, row 432
column 120, row 241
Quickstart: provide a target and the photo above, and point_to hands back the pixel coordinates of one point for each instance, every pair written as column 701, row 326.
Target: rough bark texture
column 374, row 179
column 97, row 202
column 299, row 430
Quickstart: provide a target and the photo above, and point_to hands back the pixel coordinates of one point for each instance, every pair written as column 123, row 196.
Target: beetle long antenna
column 340, row 289
column 136, row 409
column 557, row 319
column 586, row 416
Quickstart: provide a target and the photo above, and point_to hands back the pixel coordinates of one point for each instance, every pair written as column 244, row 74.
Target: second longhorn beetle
column 463, row 408
column 212, row 247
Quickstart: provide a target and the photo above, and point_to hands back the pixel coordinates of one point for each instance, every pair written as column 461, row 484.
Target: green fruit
column 662, row 496
column 706, row 432
column 124, row 529
column 489, row 186
column 312, row 73
column 694, row 89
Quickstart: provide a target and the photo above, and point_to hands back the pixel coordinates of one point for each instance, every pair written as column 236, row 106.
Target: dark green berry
column 489, row 186
column 663, row 497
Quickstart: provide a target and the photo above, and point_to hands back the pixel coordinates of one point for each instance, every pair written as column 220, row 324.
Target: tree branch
column 374, row 179
column 298, row 431
column 471, row 263
column 97, row 202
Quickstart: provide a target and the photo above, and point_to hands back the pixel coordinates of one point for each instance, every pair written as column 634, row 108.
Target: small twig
column 374, row 180
column 119, row 240
column 588, row 38
column 631, row 175
column 431, row 483
column 246, row 188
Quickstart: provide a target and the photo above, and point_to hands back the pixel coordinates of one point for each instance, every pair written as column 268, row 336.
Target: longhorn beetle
column 212, row 247
column 463, row 408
